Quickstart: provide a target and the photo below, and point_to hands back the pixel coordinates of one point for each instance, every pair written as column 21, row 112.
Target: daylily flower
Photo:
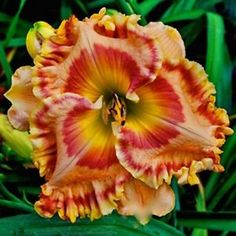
column 114, row 111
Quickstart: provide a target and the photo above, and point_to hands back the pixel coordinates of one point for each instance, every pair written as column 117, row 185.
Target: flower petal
column 168, row 38
column 119, row 25
column 92, row 198
column 142, row 201
column 74, row 148
column 49, row 46
column 21, row 96
column 175, row 129
column 95, row 63
column 36, row 35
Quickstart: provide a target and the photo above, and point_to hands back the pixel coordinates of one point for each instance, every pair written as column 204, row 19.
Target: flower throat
column 116, row 109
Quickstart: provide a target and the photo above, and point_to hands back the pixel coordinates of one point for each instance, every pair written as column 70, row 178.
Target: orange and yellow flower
column 114, row 111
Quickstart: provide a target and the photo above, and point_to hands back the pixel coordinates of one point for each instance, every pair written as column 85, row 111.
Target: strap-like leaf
column 148, row 5
column 12, row 28
column 206, row 220
column 218, row 64
column 109, row 225
column 229, row 149
column 187, row 15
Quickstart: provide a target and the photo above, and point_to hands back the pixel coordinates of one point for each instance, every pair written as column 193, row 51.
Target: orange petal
column 22, row 98
column 168, row 39
column 94, row 64
column 49, row 46
column 70, row 130
column 93, row 198
column 119, row 25
column 175, row 128
column 142, row 201
column 74, row 148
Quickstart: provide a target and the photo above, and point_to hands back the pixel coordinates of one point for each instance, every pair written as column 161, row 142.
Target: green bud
column 17, row 140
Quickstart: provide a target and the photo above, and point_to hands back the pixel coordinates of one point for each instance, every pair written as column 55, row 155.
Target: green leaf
column 15, row 205
column 16, row 42
column 208, row 5
column 175, row 187
column 147, row 6
column 225, row 233
column 218, row 63
column 15, row 178
column 199, row 232
column 82, row 6
column 111, row 12
column 108, row 225
column 229, row 149
column 4, row 17
column 188, row 15
column 229, row 200
column 22, row 24
column 29, row 190
column 207, row 220
column 98, row 3
column 6, row 66
column 191, row 31
column 178, row 7
column 200, row 207
column 8, row 194
column 13, row 26
column 65, row 10
column 125, row 7
column 228, row 184
column 137, row 10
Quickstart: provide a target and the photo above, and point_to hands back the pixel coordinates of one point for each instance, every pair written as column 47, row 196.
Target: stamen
column 117, row 109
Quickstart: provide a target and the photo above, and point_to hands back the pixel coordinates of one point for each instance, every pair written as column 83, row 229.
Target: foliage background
column 208, row 28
